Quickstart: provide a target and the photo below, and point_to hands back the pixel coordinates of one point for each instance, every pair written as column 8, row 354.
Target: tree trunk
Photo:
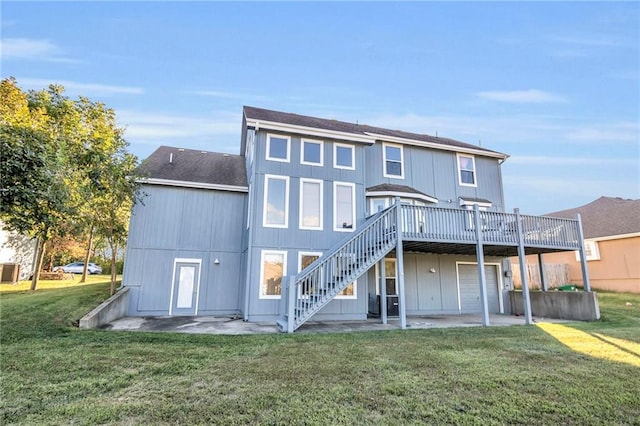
column 114, row 272
column 86, row 257
column 39, row 260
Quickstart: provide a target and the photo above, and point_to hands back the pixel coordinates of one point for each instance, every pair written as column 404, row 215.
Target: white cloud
column 243, row 96
column 160, row 128
column 77, row 88
column 24, row 48
column 605, row 133
column 521, row 96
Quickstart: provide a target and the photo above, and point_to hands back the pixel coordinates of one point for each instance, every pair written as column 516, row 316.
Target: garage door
column 469, row 285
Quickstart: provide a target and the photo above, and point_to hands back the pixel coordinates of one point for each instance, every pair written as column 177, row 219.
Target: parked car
column 77, row 267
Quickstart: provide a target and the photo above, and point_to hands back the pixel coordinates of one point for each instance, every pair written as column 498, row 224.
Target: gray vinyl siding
column 293, row 239
column 185, row 223
column 435, row 172
column 432, row 293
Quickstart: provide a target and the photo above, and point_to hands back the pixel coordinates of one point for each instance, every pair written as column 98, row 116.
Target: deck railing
column 435, row 224
column 305, row 294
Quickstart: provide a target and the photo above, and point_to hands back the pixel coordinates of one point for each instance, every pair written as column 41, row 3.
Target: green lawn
column 53, row 373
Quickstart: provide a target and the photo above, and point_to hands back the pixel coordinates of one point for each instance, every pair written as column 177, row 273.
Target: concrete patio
column 235, row 325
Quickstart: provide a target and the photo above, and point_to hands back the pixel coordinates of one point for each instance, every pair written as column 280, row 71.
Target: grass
column 53, row 373
column 51, row 284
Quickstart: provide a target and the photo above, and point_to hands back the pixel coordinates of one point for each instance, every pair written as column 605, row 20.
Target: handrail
column 346, row 239
column 307, row 292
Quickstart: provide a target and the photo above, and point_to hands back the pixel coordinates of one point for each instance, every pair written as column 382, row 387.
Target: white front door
column 185, row 287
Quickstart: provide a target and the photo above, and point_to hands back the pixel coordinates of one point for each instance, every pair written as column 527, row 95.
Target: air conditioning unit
column 10, row 272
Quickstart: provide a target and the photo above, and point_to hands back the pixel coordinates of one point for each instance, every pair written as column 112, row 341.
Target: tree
column 32, row 164
column 64, row 166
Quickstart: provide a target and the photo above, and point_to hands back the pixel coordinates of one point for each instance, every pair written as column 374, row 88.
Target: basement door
column 469, row 288
column 185, row 287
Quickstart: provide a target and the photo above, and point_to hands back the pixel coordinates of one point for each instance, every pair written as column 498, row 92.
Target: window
column 591, row 251
column 466, row 170
column 343, row 156
column 392, row 157
column 312, row 153
column 278, row 148
column 273, row 266
column 376, row 204
column 310, row 204
column 276, row 201
column 310, row 285
column 344, row 206
column 390, row 279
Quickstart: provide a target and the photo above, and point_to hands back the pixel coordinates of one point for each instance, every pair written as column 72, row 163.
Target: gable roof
column 606, row 216
column 189, row 167
column 259, row 117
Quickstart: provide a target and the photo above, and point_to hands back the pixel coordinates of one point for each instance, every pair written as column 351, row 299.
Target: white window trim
column 384, row 161
column 475, row 171
column 263, row 254
column 372, row 199
column 288, row 139
column 349, row 296
column 309, row 163
column 335, row 156
column 379, row 282
column 173, row 281
column 301, row 212
column 300, row 255
column 595, row 251
column 335, row 206
column 265, row 199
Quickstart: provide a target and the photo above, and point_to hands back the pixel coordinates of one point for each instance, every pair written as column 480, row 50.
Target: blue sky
column 554, row 85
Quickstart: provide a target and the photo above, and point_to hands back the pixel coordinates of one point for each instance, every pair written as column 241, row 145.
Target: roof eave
column 190, row 184
column 413, row 195
column 305, row 130
column 406, row 141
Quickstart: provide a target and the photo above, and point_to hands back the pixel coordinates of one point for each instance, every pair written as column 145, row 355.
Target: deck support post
column 383, row 291
column 526, row 300
column 481, row 272
column 543, row 274
column 583, row 256
column 291, row 302
column 400, row 266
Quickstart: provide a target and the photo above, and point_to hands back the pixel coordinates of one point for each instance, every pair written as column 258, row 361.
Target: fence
column 557, row 274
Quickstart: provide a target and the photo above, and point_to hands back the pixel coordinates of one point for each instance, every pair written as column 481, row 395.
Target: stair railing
column 315, row 286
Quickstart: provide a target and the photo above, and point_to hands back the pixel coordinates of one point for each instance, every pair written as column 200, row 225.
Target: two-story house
column 328, row 220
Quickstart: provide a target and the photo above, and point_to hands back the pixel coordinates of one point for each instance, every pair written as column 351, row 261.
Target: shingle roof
column 606, row 216
column 358, row 129
column 400, row 189
column 191, row 165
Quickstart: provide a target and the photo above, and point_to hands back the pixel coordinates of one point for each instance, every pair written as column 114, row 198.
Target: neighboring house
column 328, row 220
column 612, row 244
column 16, row 249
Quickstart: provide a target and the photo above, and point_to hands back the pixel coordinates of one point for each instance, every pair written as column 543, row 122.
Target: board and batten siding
column 436, row 293
column 292, row 239
column 435, row 172
column 176, row 222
